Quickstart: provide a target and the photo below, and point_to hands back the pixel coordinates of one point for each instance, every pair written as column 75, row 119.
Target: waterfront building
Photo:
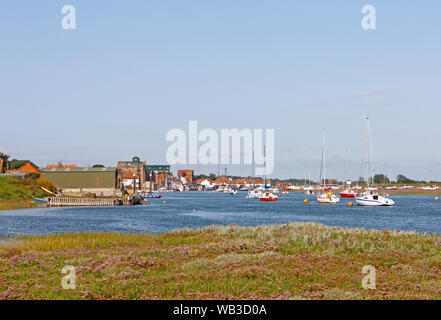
column 131, row 174
column 101, row 181
column 187, row 175
column 159, row 176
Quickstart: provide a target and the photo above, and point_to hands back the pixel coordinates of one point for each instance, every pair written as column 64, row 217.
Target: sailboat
column 267, row 195
column 348, row 192
column 327, row 196
column 308, row 189
column 369, row 197
column 428, row 186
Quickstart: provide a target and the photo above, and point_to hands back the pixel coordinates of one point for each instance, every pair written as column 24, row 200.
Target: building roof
column 60, row 165
column 157, row 167
column 28, row 167
column 78, row 169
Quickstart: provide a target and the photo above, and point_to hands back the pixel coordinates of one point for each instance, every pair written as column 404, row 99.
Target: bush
column 33, row 176
column 45, row 183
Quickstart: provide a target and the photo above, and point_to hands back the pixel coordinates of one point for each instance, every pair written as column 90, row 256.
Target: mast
column 346, row 169
column 252, row 162
column 324, row 159
column 368, row 162
column 264, row 166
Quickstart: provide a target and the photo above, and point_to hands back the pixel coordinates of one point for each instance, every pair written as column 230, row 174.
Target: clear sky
column 132, row 70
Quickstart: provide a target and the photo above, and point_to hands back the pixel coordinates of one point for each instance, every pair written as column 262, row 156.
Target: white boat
column 430, row 188
column 327, row 196
column 227, row 190
column 373, row 199
column 370, row 198
column 267, row 195
column 254, row 194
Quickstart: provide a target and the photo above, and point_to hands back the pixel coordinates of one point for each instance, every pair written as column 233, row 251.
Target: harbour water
column 199, row 209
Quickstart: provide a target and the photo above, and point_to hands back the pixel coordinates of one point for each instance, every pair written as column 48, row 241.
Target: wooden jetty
column 91, row 202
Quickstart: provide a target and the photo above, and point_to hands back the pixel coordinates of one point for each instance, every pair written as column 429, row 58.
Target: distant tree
column 16, row 164
column 212, row 176
column 381, row 178
column 5, row 158
column 98, row 166
column 403, row 179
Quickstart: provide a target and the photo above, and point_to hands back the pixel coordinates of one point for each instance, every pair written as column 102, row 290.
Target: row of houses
column 23, row 170
column 127, row 175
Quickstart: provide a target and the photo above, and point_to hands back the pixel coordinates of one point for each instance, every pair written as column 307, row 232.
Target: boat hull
column 328, row 200
column 348, row 195
column 269, row 197
column 374, row 203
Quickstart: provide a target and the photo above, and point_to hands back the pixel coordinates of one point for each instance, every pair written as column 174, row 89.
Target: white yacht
column 370, row 197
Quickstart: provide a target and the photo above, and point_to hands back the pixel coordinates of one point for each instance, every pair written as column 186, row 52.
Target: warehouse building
column 131, row 174
column 101, row 181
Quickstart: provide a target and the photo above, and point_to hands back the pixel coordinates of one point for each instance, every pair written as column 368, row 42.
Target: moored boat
column 348, row 193
column 327, row 196
column 370, row 198
column 269, row 196
column 254, row 194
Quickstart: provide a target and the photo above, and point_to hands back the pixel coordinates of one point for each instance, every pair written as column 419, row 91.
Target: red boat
column 348, row 193
column 268, row 196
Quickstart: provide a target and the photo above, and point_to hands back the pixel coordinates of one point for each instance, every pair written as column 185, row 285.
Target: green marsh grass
column 290, row 261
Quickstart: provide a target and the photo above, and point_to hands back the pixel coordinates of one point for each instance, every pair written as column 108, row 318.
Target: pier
column 91, row 202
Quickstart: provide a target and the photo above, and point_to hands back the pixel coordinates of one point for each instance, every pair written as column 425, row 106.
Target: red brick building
column 188, row 175
column 130, row 172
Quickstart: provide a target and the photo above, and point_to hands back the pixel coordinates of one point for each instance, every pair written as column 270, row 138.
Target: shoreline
column 30, row 204
column 287, row 261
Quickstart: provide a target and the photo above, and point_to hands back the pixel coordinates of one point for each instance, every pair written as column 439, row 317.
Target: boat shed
column 101, row 181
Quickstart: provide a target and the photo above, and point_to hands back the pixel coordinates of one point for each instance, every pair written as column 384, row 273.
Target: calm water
column 197, row 209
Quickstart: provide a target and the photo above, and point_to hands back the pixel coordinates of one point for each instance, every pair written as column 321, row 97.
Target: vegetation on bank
column 18, row 193
column 291, row 261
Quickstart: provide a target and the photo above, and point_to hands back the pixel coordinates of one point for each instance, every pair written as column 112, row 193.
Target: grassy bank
column 293, row 261
column 16, row 193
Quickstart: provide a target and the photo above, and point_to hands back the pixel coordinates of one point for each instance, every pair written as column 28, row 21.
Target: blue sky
column 133, row 70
